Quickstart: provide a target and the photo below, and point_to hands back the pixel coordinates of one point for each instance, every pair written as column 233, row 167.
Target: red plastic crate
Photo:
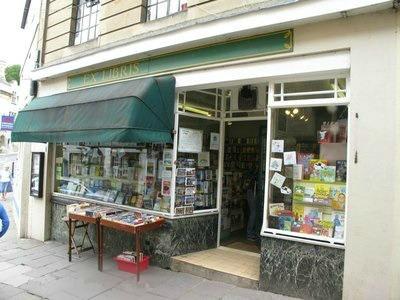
column 130, row 266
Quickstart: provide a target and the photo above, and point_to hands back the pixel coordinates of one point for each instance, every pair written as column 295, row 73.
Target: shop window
column 307, row 172
column 157, row 9
column 87, row 20
column 310, row 90
column 137, row 176
column 196, row 165
column 201, row 102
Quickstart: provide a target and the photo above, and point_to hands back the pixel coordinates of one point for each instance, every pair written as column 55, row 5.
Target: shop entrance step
column 228, row 265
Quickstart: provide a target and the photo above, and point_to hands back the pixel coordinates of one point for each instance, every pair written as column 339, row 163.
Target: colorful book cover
column 315, row 168
column 341, row 170
column 322, row 191
column 338, row 196
column 309, row 193
column 312, row 214
column 328, row 174
column 275, row 209
column 338, row 224
column 299, row 189
column 298, row 212
column 303, row 159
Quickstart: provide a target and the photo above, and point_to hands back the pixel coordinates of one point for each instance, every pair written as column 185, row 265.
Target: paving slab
column 32, row 270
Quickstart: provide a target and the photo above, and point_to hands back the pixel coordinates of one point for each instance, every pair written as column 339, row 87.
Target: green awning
column 132, row 111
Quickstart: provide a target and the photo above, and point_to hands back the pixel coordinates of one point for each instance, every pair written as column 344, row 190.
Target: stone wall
column 176, row 237
column 301, row 270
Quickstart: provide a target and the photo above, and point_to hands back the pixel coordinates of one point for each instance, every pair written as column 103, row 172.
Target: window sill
column 69, row 199
column 166, row 17
column 303, row 238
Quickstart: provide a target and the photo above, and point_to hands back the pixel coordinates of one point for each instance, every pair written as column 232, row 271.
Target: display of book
column 317, row 199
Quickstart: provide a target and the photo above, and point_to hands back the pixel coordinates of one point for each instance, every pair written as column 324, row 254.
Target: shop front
column 250, row 151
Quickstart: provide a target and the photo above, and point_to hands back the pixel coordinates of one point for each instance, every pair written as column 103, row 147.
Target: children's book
column 303, row 159
column 338, row 224
column 298, row 193
column 275, row 208
column 298, row 212
column 322, row 191
column 341, row 170
column 315, row 168
column 338, row 196
column 328, row 174
column 309, row 192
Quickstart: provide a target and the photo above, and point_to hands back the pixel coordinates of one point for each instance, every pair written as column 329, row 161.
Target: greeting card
column 289, row 158
column 275, row 164
column 278, row 180
column 277, row 146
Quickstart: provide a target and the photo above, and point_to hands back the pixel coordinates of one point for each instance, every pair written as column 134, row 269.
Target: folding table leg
column 137, row 245
column 69, row 239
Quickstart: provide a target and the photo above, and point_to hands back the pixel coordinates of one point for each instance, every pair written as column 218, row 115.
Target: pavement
column 31, row 270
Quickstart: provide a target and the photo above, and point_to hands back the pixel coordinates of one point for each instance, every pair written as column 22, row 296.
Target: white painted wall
column 39, row 209
column 372, row 262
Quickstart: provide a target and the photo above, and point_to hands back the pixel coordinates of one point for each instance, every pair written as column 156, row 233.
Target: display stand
column 85, row 219
column 101, row 223
column 135, row 230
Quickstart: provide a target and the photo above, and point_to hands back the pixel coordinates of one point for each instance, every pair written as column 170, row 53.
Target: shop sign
column 268, row 44
column 7, row 123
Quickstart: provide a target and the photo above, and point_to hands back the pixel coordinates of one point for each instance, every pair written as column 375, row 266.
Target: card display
column 308, row 193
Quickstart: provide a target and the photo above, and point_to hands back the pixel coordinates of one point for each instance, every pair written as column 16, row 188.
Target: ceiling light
column 306, row 120
column 287, row 112
column 295, row 111
column 302, row 117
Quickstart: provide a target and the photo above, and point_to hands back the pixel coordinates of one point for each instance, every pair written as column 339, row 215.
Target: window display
column 308, row 166
column 138, row 176
column 196, row 166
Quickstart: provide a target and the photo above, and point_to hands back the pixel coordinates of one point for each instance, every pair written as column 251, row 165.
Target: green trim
column 255, row 46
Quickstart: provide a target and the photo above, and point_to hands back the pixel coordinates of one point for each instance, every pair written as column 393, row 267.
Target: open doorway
column 243, row 184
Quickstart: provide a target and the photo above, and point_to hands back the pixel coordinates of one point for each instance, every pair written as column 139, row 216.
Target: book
column 315, row 167
column 338, row 196
column 275, row 208
column 298, row 193
column 298, row 172
column 312, row 214
column 322, row 191
column 303, row 159
column 338, row 224
column 328, row 174
column 341, row 170
column 298, row 212
column 309, row 192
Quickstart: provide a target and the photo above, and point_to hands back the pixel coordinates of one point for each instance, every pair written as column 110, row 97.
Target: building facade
column 184, row 108
column 8, row 108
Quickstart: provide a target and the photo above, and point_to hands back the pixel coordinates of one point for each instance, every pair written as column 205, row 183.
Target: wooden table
column 136, row 230
column 87, row 219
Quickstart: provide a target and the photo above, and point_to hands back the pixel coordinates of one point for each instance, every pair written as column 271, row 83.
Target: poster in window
column 190, row 140
column 214, row 141
column 203, row 159
column 167, row 157
column 36, row 188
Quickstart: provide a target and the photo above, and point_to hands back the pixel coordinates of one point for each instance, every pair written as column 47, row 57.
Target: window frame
column 156, row 5
column 216, row 118
column 266, row 231
column 79, row 21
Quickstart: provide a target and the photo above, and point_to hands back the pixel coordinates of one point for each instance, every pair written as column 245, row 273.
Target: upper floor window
column 157, row 9
column 87, row 20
